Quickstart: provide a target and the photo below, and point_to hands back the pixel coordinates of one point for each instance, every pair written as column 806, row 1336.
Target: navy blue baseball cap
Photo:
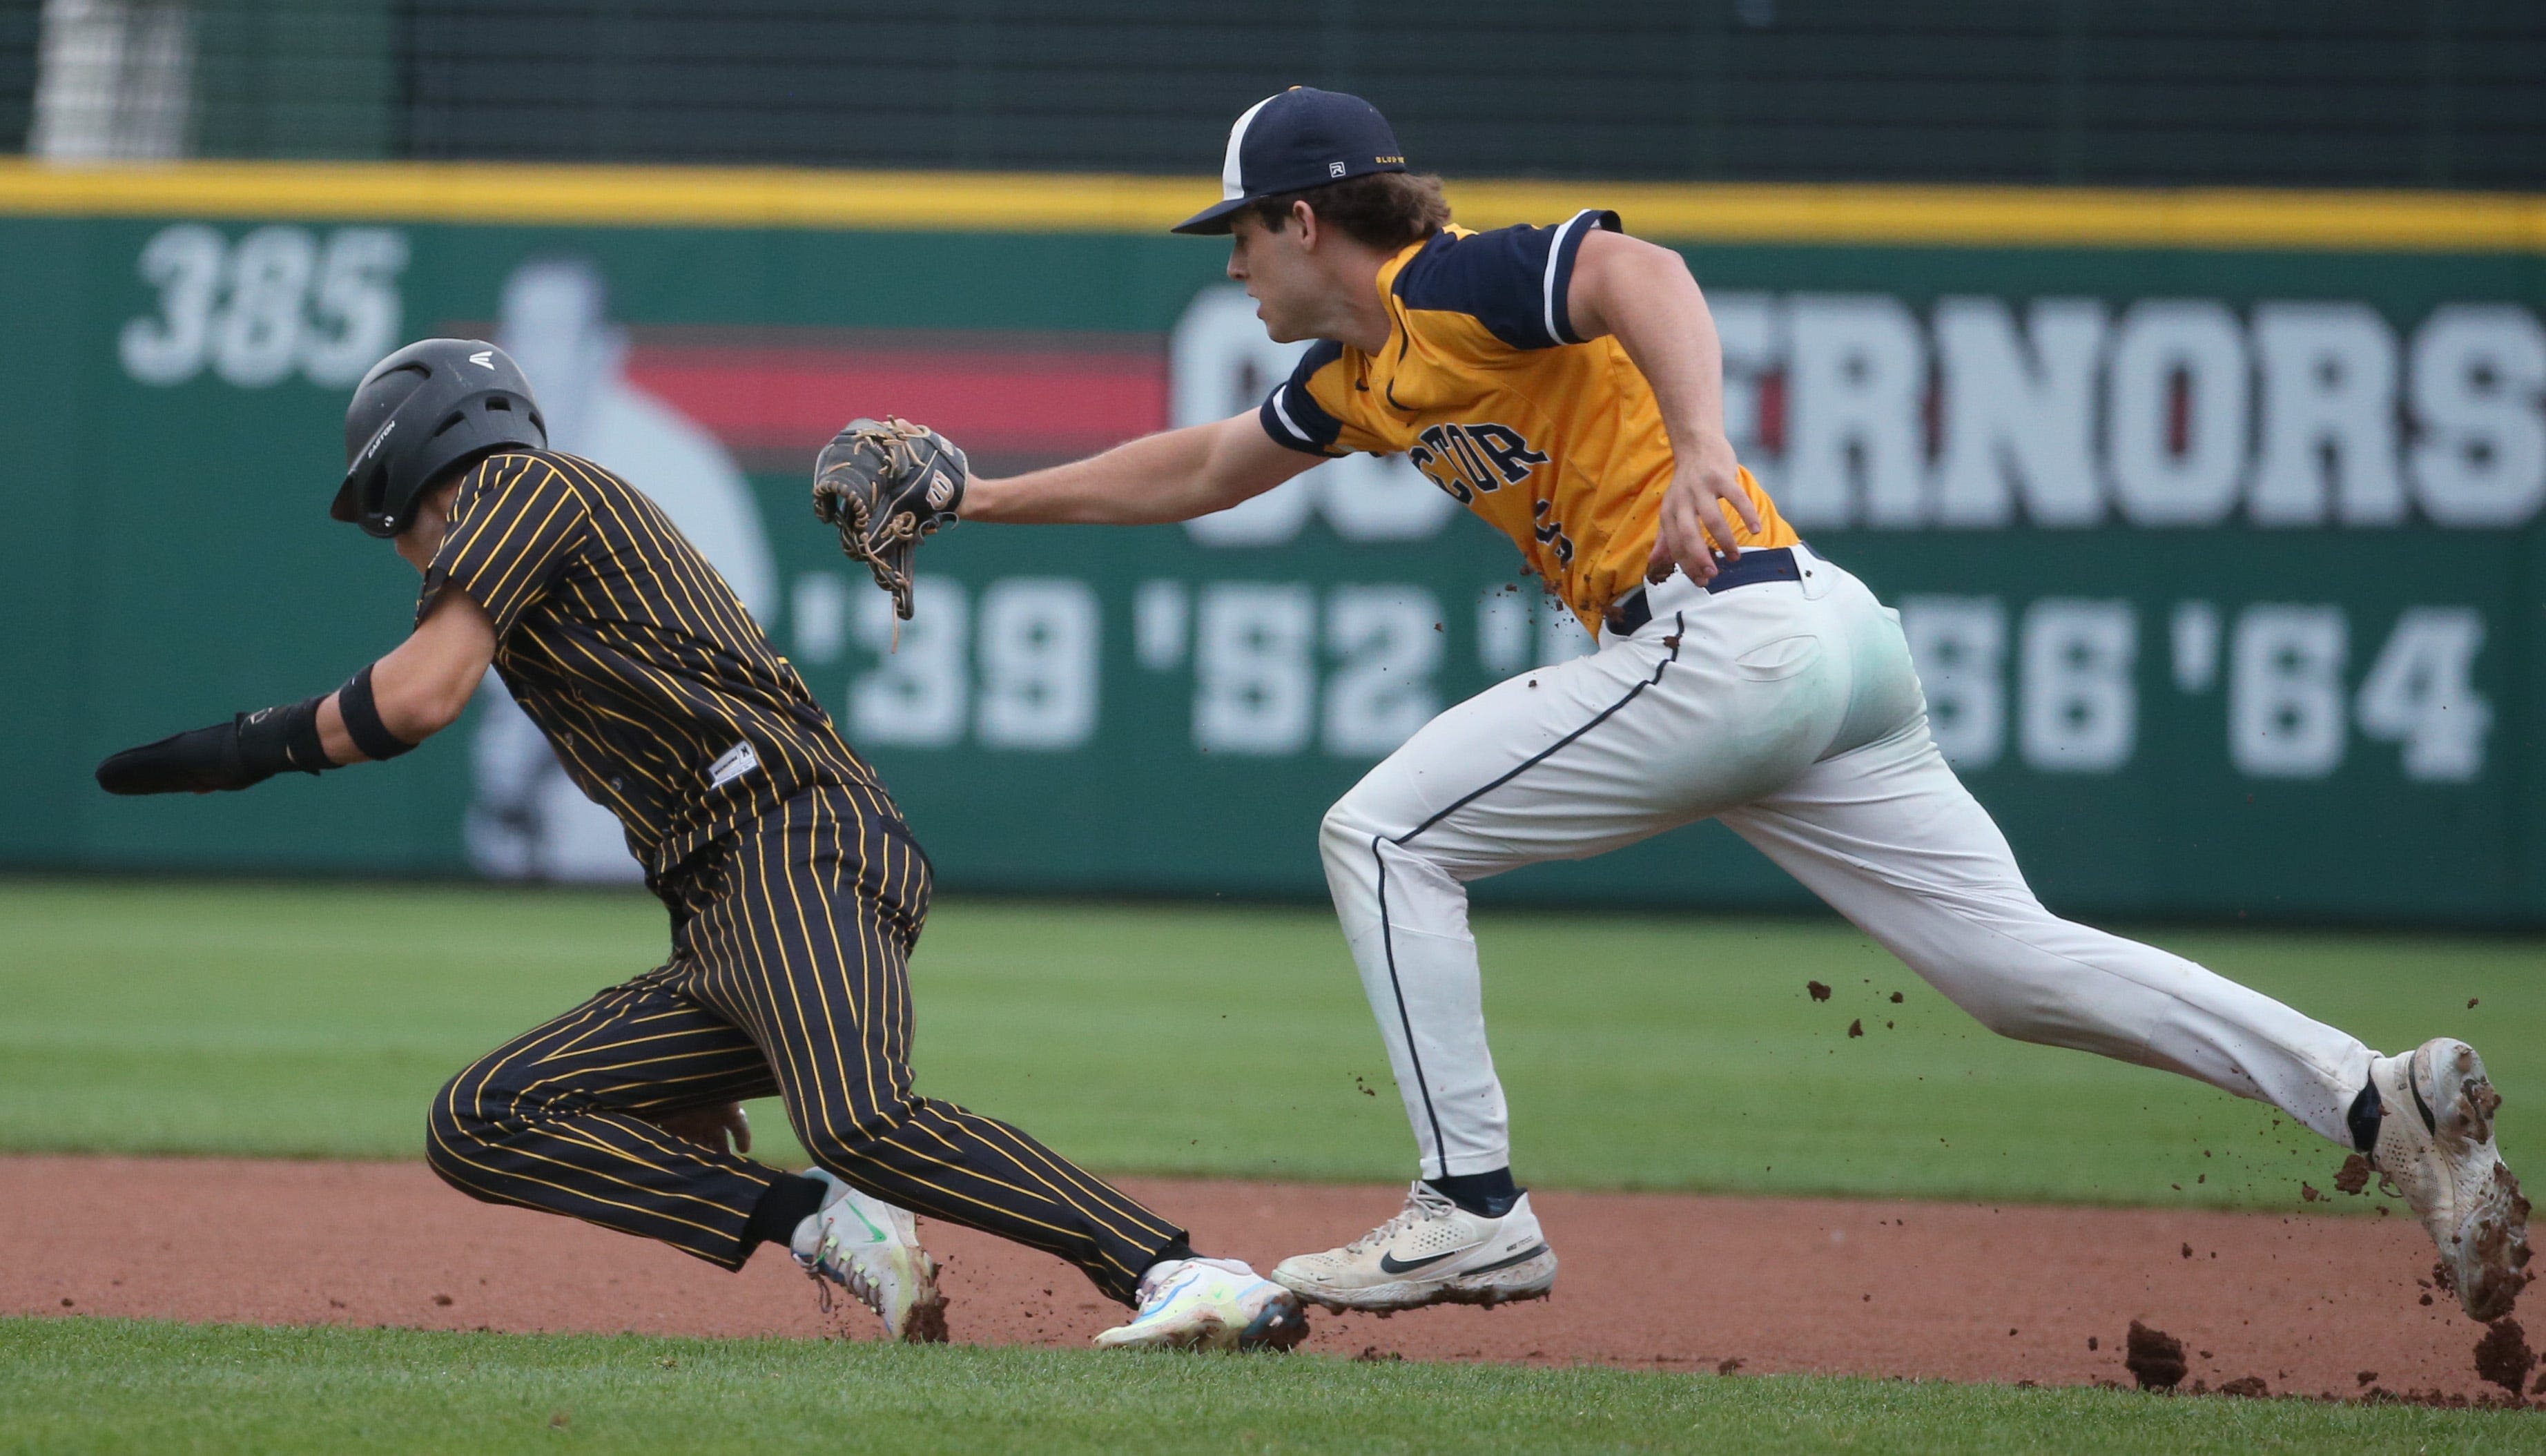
column 1293, row 141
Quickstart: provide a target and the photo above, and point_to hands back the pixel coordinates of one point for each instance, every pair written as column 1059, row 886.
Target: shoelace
column 847, row 1274
column 1422, row 1206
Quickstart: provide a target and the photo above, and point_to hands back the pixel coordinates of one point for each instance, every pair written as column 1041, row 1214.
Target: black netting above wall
column 2321, row 92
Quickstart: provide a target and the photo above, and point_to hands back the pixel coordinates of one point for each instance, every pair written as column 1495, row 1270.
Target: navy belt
column 1775, row 564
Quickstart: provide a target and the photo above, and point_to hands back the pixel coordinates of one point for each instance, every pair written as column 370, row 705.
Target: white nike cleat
column 2435, row 1147
column 1434, row 1253
column 872, row 1248
column 1210, row 1305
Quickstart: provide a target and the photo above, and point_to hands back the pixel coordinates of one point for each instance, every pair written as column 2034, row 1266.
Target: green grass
column 76, row 1385
column 1639, row 1052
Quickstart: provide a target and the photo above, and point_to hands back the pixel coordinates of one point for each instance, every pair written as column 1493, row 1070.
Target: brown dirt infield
column 1959, row 1292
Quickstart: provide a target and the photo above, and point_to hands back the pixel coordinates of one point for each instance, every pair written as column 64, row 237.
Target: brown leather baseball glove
column 885, row 483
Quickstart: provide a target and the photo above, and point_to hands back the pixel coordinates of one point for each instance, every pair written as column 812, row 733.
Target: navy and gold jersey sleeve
column 514, row 525
column 1512, row 280
column 1320, row 409
column 1291, row 415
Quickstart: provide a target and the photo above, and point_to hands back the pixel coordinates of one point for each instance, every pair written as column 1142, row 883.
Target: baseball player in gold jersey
column 1565, row 383
column 794, row 889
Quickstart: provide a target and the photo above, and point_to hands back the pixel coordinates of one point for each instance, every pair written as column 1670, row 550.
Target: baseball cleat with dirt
column 1433, row 1252
column 871, row 1249
column 1210, row 1305
column 2435, row 1147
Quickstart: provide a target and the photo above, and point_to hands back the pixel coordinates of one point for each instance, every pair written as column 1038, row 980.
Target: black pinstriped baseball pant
column 789, row 977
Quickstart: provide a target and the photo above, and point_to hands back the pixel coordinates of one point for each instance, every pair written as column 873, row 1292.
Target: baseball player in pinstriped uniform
column 1565, row 383
column 795, row 891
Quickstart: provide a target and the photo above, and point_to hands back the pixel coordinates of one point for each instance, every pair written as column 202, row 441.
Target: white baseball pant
column 1790, row 711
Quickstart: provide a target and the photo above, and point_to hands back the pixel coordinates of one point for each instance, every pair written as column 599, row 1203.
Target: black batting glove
column 244, row 751
column 198, row 761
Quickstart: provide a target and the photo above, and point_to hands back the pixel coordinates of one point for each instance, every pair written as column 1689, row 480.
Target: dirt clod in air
column 2250, row 1386
column 2353, row 1177
column 1857, row 1028
column 2366, row 1377
column 1726, row 1367
column 1372, row 1354
column 2427, row 1299
column 2308, row 1193
column 1820, row 992
column 2090, row 1342
column 2187, row 1250
column 2154, row 1357
column 2503, row 1356
column 2442, row 1278
column 1895, row 998
column 443, row 1300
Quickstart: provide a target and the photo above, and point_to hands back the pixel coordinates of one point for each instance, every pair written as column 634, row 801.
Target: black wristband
column 363, row 719
column 284, row 736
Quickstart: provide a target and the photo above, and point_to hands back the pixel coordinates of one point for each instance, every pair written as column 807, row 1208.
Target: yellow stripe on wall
column 2030, row 217
column 987, row 201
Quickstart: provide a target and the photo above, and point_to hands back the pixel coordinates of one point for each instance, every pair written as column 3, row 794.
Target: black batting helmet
column 431, row 406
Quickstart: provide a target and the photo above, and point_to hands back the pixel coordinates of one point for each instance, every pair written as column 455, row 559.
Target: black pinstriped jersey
column 662, row 698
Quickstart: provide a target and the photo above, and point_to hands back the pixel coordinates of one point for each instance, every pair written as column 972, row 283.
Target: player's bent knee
column 1336, row 835
column 469, row 1109
column 449, row 1135
column 1348, row 834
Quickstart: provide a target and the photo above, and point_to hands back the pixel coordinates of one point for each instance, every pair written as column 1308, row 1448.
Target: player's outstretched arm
column 388, row 708
column 419, row 689
column 1173, row 475
column 1645, row 295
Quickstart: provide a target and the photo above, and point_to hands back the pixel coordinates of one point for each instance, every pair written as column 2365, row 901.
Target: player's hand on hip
column 711, row 1126
column 1695, row 523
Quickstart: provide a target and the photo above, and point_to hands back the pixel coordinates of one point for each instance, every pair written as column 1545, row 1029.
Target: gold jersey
column 1483, row 386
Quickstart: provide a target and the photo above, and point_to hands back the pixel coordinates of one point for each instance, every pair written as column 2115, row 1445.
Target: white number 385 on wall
column 277, row 300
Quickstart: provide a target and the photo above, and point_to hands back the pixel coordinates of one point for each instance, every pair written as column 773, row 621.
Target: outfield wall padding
column 2222, row 559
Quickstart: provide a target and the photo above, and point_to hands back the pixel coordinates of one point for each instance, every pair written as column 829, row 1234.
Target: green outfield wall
column 2215, row 520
